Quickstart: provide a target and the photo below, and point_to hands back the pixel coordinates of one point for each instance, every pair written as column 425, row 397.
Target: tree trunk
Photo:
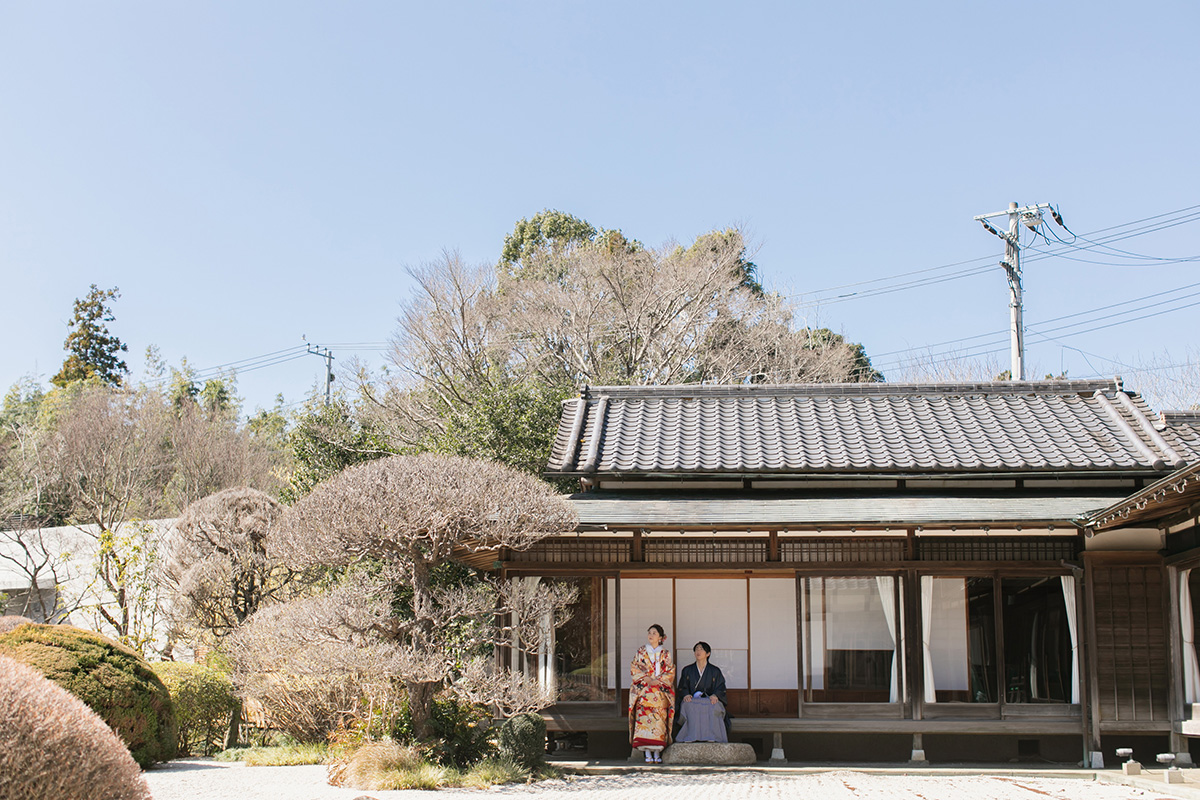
column 235, row 725
column 420, row 706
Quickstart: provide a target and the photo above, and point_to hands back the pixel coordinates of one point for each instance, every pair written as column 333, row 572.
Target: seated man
column 700, row 700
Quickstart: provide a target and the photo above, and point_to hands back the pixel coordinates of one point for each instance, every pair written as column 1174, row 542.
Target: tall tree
column 475, row 342
column 92, row 351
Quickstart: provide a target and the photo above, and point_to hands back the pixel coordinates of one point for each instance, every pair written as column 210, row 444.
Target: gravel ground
column 211, row 780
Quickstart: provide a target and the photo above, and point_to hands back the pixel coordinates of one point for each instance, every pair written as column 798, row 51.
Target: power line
column 1126, row 230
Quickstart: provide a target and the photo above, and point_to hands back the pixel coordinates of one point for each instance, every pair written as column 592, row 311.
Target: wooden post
column 1094, row 714
column 1001, row 667
column 617, row 641
column 914, row 651
column 799, row 646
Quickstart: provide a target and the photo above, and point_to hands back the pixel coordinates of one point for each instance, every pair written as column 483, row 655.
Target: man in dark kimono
column 700, row 700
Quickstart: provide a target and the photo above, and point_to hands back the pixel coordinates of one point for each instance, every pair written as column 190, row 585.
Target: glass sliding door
column 959, row 639
column 851, row 631
column 580, row 652
column 1039, row 641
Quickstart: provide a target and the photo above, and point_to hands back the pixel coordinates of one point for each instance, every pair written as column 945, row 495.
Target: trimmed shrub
column 11, row 621
column 114, row 681
column 54, row 746
column 522, row 740
column 203, row 700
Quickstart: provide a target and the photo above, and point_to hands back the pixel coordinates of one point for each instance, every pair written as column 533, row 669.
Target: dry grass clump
column 54, row 746
column 286, row 755
column 381, row 766
column 494, row 772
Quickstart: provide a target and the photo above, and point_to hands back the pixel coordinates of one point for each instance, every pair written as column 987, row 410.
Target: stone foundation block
column 706, row 753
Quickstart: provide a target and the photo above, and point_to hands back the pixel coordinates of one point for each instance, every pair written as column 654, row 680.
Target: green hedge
column 114, row 681
column 203, row 699
column 522, row 740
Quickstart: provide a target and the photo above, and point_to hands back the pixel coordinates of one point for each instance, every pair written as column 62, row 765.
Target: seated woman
column 701, row 700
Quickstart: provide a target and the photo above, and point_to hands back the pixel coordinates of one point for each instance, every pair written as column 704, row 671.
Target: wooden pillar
column 617, row 642
column 914, row 650
column 799, row 645
column 1093, row 661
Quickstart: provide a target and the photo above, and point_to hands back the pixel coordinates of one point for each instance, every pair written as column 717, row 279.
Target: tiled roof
column 639, row 510
column 1047, row 426
column 1178, row 491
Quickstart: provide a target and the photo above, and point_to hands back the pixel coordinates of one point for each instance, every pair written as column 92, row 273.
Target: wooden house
column 883, row 571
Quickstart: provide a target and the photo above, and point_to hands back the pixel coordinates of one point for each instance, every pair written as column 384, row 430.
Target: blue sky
column 251, row 173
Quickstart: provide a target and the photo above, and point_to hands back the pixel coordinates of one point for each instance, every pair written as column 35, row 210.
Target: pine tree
column 91, row 349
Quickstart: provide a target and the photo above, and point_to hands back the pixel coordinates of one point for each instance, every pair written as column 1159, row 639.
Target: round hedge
column 203, row 699
column 522, row 740
column 114, row 681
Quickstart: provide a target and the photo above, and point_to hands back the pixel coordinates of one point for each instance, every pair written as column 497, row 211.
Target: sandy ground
column 209, row 780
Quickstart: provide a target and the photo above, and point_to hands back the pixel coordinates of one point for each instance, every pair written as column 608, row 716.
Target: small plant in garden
column 463, row 735
column 522, row 740
column 203, row 699
column 114, row 681
column 54, row 746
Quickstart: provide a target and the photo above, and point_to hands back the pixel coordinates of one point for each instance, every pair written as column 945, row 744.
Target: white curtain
column 1068, row 588
column 888, row 597
column 1191, row 671
column 927, row 637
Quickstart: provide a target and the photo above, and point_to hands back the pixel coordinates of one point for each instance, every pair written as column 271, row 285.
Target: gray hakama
column 703, row 721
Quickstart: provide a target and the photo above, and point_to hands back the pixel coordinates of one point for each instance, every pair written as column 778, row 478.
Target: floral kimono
column 651, row 707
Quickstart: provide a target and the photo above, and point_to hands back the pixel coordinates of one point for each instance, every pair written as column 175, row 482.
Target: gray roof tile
column 1042, row 426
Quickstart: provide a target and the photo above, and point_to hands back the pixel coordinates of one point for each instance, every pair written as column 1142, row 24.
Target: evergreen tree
column 91, row 350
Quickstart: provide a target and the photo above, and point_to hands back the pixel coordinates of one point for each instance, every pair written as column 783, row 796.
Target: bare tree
column 605, row 315
column 210, row 453
column 108, row 457
column 410, row 517
column 219, row 570
column 218, row 565
column 31, row 550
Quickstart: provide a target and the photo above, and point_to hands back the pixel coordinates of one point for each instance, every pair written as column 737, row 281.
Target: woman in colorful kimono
column 652, row 696
column 701, row 706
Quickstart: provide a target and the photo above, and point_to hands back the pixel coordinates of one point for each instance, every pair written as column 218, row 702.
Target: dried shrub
column 12, row 621
column 54, row 746
column 114, row 681
column 522, row 740
column 312, row 672
column 203, row 699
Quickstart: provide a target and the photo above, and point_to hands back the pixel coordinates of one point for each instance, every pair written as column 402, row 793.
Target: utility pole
column 1031, row 216
column 315, row 350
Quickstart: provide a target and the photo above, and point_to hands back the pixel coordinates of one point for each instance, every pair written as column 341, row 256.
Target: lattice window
column 704, row 550
column 575, row 551
column 996, row 549
column 837, row 550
